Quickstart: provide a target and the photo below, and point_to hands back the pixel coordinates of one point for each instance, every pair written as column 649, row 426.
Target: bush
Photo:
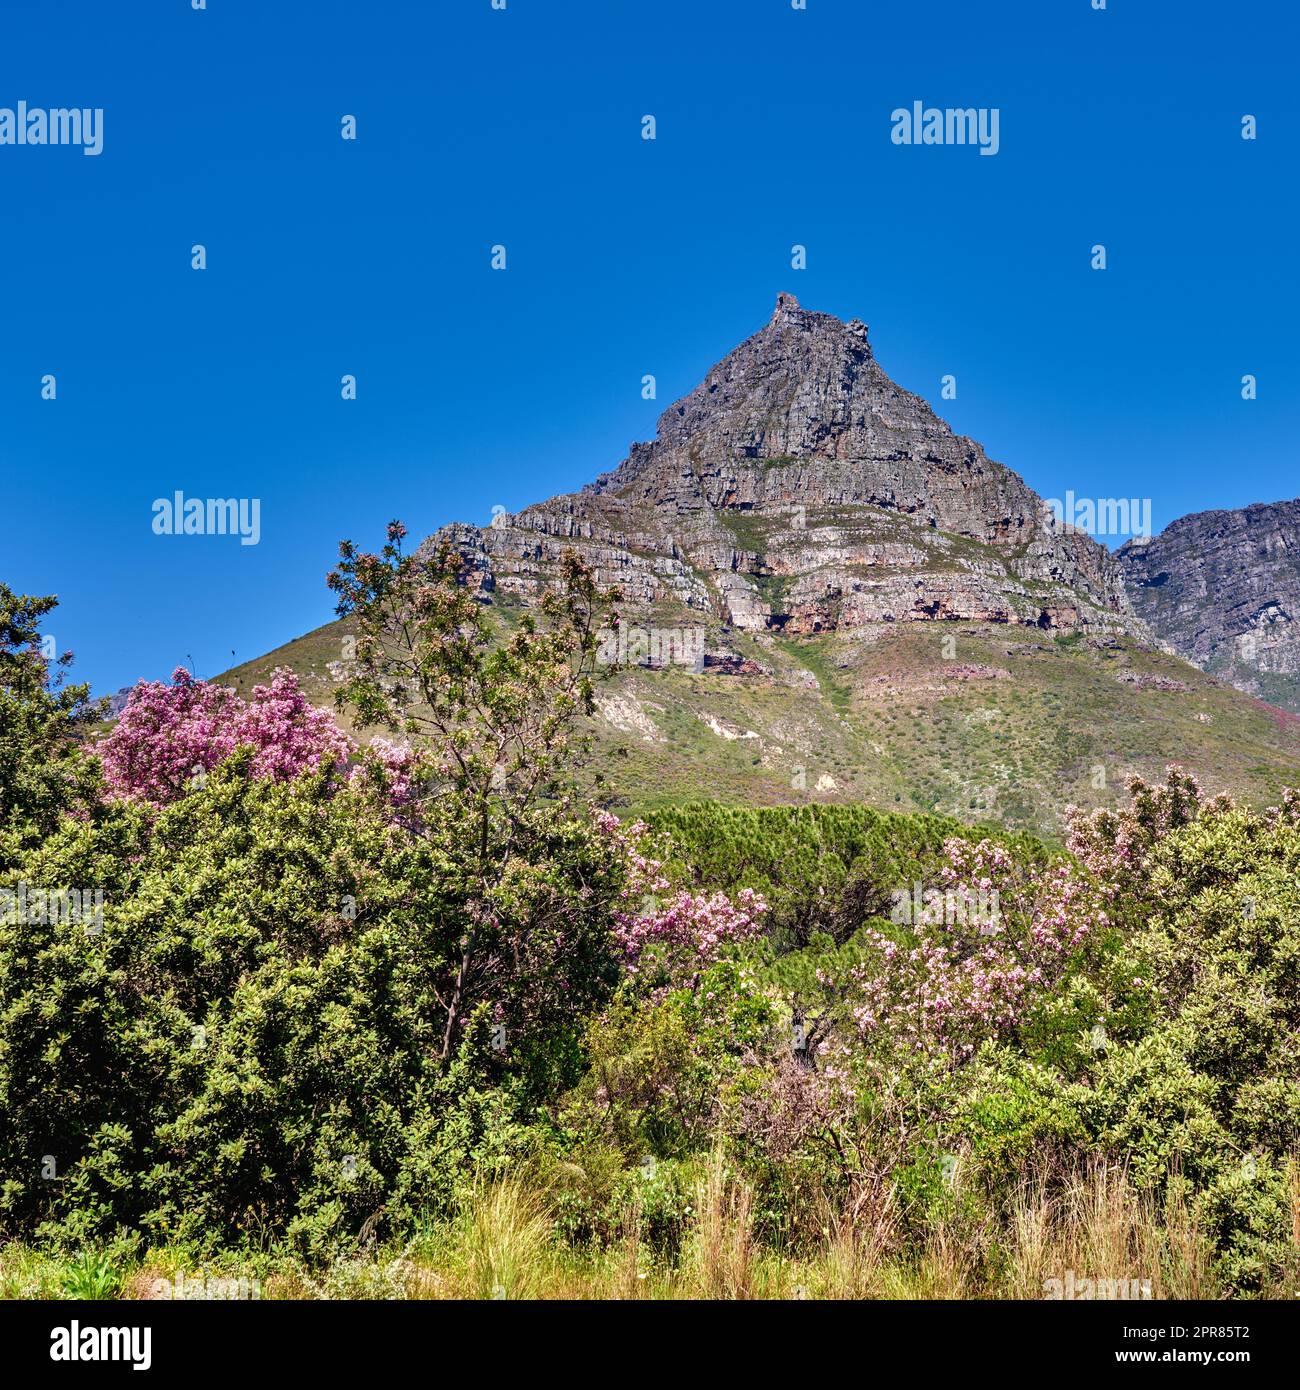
column 285, row 1005
column 258, row 1030
column 291, row 1012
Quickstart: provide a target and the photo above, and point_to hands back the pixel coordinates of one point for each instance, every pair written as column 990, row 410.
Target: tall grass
column 1097, row 1227
column 720, row 1253
column 503, row 1244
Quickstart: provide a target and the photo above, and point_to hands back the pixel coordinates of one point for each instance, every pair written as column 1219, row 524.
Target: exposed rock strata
column 1223, row 588
column 798, row 490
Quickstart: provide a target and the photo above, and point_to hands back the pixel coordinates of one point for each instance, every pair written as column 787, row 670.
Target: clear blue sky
column 626, row 256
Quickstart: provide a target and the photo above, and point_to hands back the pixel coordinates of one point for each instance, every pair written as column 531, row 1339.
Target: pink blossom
column 964, row 982
column 685, row 931
column 169, row 737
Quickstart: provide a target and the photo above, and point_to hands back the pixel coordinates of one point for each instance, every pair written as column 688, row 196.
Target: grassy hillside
column 980, row 721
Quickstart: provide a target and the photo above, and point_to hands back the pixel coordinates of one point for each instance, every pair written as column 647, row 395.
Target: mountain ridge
column 798, row 488
column 1223, row 587
column 876, row 611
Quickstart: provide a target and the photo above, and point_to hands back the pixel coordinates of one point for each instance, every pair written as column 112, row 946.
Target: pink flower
column 169, row 737
column 686, row 931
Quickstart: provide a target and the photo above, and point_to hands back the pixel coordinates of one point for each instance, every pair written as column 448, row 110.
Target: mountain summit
column 830, row 595
column 799, row 488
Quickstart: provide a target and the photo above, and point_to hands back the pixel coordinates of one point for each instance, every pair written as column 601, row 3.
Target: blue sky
column 479, row 388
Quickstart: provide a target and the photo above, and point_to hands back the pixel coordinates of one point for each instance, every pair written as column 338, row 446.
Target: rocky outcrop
column 1223, row 589
column 799, row 489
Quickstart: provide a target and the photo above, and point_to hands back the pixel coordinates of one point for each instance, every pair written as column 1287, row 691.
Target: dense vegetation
column 272, row 1002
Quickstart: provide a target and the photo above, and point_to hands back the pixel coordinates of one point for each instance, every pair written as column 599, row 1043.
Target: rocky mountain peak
column 788, row 310
column 788, row 390
column 798, row 476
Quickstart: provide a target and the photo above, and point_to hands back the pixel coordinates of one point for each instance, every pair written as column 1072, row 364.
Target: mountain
column 797, row 489
column 1223, row 588
column 829, row 594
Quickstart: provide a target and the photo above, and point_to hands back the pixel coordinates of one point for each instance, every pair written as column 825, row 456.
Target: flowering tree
column 682, row 932
column 1115, row 844
column 959, row 978
column 170, row 736
column 290, row 734
column 494, row 712
column 398, row 769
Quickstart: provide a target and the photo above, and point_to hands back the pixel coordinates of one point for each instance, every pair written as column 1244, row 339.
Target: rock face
column 798, row 489
column 1223, row 588
column 791, row 547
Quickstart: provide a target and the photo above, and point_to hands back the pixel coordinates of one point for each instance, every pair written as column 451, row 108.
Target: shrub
column 169, row 737
column 44, row 724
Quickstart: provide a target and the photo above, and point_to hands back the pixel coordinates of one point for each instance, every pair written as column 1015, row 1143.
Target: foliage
column 169, row 737
column 297, row 1015
column 821, row 869
column 334, row 998
column 497, row 721
column 44, row 723
column 673, row 934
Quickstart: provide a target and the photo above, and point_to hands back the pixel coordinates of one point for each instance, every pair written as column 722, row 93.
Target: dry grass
column 721, row 1255
column 1097, row 1227
column 504, row 1245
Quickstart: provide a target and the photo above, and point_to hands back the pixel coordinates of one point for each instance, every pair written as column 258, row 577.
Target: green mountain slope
column 977, row 720
column 870, row 607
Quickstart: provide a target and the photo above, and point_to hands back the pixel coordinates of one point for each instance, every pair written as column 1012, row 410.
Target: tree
column 44, row 723
column 494, row 715
column 170, row 737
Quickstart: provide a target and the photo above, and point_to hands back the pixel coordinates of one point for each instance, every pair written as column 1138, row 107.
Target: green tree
column 495, row 718
column 43, row 726
column 307, row 1013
